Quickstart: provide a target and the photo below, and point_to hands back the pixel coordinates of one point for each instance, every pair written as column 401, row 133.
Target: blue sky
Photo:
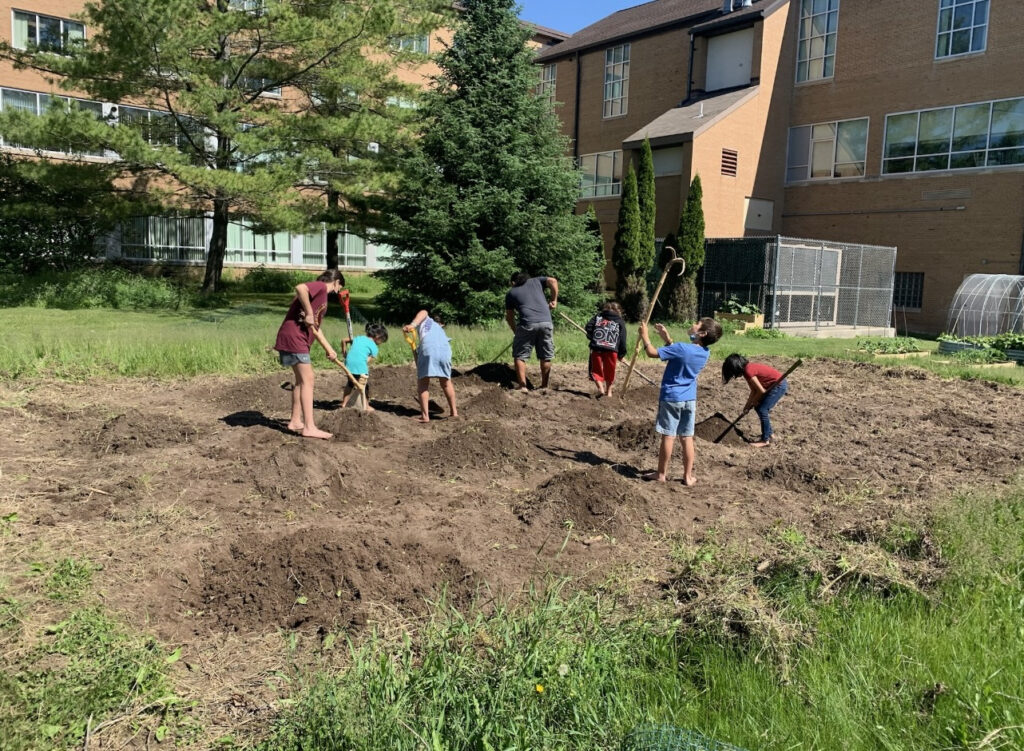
column 570, row 15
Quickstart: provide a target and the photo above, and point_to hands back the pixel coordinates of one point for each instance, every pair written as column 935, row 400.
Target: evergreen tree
column 628, row 257
column 488, row 189
column 648, row 208
column 593, row 229
column 682, row 299
column 207, row 128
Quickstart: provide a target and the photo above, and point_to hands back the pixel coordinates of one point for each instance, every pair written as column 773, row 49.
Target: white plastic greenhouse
column 987, row 305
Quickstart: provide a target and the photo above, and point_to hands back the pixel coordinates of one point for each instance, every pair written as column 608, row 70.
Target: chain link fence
column 800, row 283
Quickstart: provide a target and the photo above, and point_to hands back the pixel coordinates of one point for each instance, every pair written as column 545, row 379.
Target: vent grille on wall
column 729, row 162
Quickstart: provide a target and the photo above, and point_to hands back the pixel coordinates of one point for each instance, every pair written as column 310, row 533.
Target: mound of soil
column 633, row 435
column 480, row 445
column 132, row 431
column 714, row 426
column 271, row 392
column 497, row 372
column 594, row 499
column 495, row 403
column 952, row 418
column 355, row 426
column 796, row 477
column 325, row 578
column 298, row 469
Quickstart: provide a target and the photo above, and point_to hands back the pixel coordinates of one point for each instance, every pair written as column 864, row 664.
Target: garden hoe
column 650, row 310
column 343, row 296
column 733, row 424
column 585, row 331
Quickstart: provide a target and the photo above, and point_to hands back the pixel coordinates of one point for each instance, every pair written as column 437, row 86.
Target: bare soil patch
column 211, row 520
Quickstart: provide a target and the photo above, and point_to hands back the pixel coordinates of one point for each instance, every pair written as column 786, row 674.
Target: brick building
column 184, row 238
column 897, row 123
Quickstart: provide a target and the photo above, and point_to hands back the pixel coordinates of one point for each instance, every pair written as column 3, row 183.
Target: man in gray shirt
column 534, row 328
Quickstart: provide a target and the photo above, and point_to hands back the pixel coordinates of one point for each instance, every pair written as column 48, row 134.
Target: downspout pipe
column 689, row 69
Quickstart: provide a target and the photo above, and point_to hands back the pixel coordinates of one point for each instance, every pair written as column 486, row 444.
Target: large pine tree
column 682, row 291
column 489, row 189
column 210, row 126
column 628, row 255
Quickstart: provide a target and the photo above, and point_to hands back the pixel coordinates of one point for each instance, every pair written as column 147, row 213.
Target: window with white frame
column 166, row 238
column 963, row 27
column 827, row 150
column 37, row 103
column 44, row 32
column 601, row 174
column 419, row 43
column 983, row 134
column 908, row 289
column 546, row 87
column 616, row 80
column 816, row 50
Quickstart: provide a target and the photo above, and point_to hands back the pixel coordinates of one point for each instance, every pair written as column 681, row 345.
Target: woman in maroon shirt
column 766, row 384
column 300, row 327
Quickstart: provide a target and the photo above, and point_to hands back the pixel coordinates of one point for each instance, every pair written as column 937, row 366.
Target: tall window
column 546, row 87
column 416, row 43
column 616, row 80
column 827, row 150
column 908, row 289
column 985, row 134
column 601, row 174
column 45, row 32
column 816, row 53
column 963, row 27
column 170, row 238
column 36, row 103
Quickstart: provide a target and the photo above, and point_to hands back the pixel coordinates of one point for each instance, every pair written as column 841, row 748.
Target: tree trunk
column 218, row 246
column 332, row 234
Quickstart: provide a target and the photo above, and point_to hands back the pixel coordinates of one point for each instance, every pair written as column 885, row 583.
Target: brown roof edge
column 557, row 36
column 739, row 18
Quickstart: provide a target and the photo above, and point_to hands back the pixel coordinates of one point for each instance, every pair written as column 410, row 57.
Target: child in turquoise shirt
column 362, row 350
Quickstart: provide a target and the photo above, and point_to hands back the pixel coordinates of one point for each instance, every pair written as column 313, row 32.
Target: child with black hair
column 767, row 386
column 433, row 360
column 677, row 401
column 607, row 334
column 300, row 327
column 360, row 352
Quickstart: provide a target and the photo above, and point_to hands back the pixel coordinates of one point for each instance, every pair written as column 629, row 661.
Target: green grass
column 876, row 670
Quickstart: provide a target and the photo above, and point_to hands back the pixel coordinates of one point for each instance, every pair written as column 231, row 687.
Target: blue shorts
column 293, row 358
column 676, row 418
column 431, row 366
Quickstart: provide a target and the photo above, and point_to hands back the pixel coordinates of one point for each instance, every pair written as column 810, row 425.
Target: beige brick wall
column 885, row 63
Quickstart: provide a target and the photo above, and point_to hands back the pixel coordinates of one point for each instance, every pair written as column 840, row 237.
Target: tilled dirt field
column 211, row 519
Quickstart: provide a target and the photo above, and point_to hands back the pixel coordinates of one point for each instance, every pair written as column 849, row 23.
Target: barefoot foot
column 296, row 427
column 652, row 477
column 315, row 433
column 422, row 418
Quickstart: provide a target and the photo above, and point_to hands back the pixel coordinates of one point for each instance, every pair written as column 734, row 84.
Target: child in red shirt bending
column 766, row 384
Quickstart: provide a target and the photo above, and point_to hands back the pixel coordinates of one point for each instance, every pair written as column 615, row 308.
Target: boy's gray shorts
column 539, row 336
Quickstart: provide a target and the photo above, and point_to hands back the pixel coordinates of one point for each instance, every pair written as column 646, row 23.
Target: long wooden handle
column 585, row 331
column 647, row 318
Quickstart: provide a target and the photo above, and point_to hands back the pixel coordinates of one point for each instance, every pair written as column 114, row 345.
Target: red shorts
column 602, row 366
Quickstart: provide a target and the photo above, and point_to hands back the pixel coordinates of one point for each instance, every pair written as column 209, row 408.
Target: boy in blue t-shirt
column 677, row 402
column 360, row 352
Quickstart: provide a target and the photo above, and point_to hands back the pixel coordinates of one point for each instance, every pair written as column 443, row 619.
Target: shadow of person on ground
column 590, row 458
column 251, row 418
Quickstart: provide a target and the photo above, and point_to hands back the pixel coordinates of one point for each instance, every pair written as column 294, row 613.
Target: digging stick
column 585, row 331
column 344, row 297
column 498, row 356
column 650, row 310
column 355, row 382
column 733, row 424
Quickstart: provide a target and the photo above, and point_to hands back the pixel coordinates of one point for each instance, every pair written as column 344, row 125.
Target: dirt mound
column 480, row 444
column 633, row 435
column 133, row 431
column 493, row 402
column 796, row 477
column 325, row 578
column 356, row 426
column 299, row 469
column 593, row 499
column 714, row 426
column 497, row 372
column 268, row 392
column 391, row 382
column 953, row 418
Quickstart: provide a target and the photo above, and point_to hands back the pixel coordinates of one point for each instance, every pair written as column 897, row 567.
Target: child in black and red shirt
column 607, row 334
column 766, row 384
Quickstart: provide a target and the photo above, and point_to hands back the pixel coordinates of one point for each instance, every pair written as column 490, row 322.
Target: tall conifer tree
column 488, row 189
column 628, row 256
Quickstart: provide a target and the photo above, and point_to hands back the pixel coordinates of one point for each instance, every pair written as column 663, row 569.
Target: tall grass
column 881, row 672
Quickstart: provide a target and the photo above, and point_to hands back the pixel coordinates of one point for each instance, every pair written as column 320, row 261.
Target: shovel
column 355, row 382
column 733, row 424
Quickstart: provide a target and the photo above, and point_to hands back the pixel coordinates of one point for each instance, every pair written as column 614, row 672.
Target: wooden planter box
column 749, row 320
column 949, row 348
column 1016, row 355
